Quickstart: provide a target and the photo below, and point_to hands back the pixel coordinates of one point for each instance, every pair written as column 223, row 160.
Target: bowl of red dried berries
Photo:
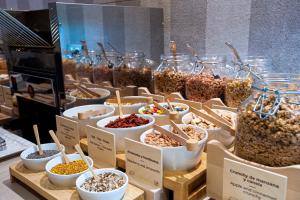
column 129, row 126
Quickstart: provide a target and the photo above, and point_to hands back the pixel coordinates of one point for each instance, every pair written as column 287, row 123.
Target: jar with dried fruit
column 172, row 74
column 103, row 70
column 133, row 70
column 268, row 126
column 208, row 80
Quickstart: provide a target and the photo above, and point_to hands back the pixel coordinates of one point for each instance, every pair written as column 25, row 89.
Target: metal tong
column 110, row 64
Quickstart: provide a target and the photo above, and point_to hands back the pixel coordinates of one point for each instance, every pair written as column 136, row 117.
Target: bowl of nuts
column 214, row 132
column 129, row 126
column 65, row 174
column 176, row 157
column 108, row 184
column 36, row 162
column 93, row 112
column 84, row 99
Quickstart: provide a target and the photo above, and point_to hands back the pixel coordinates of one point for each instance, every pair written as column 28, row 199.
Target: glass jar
column 268, row 126
column 3, row 65
column 103, row 70
column 69, row 64
column 84, row 68
column 133, row 70
column 208, row 80
column 172, row 73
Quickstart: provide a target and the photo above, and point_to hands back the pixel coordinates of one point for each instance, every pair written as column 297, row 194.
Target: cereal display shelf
column 39, row 182
column 184, row 184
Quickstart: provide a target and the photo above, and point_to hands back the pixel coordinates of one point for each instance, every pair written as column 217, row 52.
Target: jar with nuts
column 133, row 70
column 84, row 68
column 69, row 64
column 268, row 127
column 208, row 80
column 172, row 74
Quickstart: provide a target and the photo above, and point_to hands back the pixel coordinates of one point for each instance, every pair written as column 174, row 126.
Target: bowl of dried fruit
column 161, row 118
column 108, row 184
column 127, row 108
column 214, row 132
column 65, row 174
column 129, row 126
column 93, row 112
column 83, row 99
column 175, row 156
column 36, row 162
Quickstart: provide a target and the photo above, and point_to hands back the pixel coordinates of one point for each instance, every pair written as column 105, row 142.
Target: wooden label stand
column 215, row 162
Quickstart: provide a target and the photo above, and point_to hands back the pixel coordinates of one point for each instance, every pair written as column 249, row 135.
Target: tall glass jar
column 268, row 126
column 103, row 70
column 208, row 80
column 84, row 68
column 133, row 70
column 69, row 64
column 172, row 73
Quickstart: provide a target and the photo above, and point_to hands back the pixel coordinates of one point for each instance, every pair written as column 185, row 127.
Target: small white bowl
column 164, row 119
column 64, row 180
column 128, row 109
column 86, row 101
column 38, row 164
column 70, row 113
column 214, row 133
column 111, row 195
column 120, row 133
column 179, row 158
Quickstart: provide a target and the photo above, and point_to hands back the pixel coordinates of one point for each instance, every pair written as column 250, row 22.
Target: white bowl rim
column 40, row 159
column 102, row 97
column 105, row 170
column 200, row 142
column 151, row 122
column 164, row 103
column 65, row 175
column 91, row 105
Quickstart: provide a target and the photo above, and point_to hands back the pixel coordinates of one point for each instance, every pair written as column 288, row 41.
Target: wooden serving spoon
column 55, row 139
column 79, row 150
column 37, row 137
column 89, row 113
column 191, row 144
column 119, row 103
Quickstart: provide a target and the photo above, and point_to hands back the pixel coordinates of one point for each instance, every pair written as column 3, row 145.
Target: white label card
column 144, row 163
column 101, row 147
column 241, row 181
column 67, row 133
column 7, row 96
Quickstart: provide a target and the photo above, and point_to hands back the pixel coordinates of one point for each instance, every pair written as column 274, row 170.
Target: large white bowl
column 120, row 133
column 179, row 158
column 64, row 180
column 214, row 133
column 128, row 109
column 91, row 121
column 82, row 101
column 111, row 195
column 164, row 119
column 38, row 164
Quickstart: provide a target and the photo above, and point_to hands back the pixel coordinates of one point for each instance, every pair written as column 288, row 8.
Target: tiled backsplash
column 256, row 27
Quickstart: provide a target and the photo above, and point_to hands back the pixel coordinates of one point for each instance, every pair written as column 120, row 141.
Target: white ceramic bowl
column 179, row 158
column 128, row 109
column 164, row 119
column 214, row 133
column 38, row 164
column 120, row 133
column 64, row 180
column 82, row 101
column 111, row 195
column 109, row 110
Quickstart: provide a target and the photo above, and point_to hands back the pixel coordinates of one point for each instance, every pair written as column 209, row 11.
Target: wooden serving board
column 39, row 182
column 215, row 163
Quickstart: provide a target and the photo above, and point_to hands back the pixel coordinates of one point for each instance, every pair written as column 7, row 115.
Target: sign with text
column 101, row 147
column 67, row 133
column 241, row 181
column 144, row 163
column 7, row 96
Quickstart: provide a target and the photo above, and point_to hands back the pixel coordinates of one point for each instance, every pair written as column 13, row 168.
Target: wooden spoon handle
column 178, row 129
column 37, row 137
column 166, row 111
column 119, row 103
column 79, row 150
column 55, row 139
column 215, row 115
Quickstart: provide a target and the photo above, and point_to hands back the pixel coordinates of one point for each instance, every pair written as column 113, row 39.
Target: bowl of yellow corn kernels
column 63, row 174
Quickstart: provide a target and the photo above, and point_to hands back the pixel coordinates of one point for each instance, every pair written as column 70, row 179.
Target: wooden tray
column 215, row 162
column 40, row 183
column 187, row 185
